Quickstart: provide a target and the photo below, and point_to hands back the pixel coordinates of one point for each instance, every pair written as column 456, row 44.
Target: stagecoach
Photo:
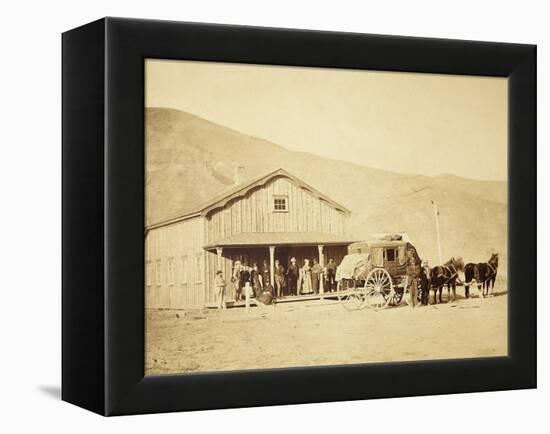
column 374, row 273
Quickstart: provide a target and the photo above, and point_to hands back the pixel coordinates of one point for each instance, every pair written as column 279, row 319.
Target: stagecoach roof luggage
column 366, row 246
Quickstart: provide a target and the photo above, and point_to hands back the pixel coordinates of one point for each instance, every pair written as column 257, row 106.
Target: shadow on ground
column 51, row 391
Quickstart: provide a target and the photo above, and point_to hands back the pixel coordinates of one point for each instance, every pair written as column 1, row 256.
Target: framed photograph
column 257, row 216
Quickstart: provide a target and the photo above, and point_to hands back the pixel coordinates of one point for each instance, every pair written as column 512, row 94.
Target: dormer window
column 280, row 203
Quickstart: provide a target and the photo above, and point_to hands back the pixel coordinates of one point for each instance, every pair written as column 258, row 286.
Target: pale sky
column 405, row 122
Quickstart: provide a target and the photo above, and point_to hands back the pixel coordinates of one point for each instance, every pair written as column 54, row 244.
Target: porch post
column 219, row 251
column 272, row 266
column 322, row 264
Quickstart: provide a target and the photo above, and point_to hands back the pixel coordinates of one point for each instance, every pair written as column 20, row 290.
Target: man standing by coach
column 413, row 271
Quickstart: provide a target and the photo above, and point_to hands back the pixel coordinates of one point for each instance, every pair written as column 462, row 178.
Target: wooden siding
column 254, row 213
column 177, row 250
column 186, row 286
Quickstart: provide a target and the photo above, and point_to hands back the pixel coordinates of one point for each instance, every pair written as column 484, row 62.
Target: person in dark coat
column 413, row 272
column 292, row 275
column 266, row 273
column 256, row 279
column 331, row 275
column 279, row 278
column 245, row 276
column 266, row 297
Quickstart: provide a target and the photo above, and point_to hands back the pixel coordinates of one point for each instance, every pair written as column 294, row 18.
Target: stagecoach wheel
column 378, row 289
column 396, row 297
column 349, row 295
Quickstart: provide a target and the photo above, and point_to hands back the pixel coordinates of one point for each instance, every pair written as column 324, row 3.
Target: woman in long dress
column 305, row 278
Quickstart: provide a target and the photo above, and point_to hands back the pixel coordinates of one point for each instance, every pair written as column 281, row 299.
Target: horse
column 446, row 275
column 484, row 274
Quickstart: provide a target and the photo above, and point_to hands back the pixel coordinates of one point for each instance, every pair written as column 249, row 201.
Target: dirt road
column 322, row 333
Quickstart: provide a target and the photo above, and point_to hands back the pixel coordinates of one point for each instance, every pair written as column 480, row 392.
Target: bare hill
column 189, row 160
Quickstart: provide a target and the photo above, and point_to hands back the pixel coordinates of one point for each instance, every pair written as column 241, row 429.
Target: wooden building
column 276, row 216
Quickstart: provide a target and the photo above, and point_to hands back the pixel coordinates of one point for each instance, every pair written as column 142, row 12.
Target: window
column 184, row 269
column 377, row 256
column 390, row 255
column 171, row 271
column 198, row 268
column 149, row 273
column 280, row 203
column 158, row 272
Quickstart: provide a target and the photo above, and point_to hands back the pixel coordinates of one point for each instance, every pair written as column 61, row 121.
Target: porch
column 258, row 247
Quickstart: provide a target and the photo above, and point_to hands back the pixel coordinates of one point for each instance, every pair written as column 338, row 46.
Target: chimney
column 239, row 175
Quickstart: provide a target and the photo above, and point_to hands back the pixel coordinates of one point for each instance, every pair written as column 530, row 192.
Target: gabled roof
column 241, row 190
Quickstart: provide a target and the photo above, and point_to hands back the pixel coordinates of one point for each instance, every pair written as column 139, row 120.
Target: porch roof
column 280, row 239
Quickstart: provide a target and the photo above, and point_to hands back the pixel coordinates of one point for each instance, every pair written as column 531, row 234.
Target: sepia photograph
column 300, row 216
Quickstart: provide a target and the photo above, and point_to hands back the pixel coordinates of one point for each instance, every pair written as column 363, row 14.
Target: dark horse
column 484, row 274
column 446, row 275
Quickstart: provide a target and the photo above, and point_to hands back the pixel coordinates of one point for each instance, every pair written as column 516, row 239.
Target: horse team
column 482, row 274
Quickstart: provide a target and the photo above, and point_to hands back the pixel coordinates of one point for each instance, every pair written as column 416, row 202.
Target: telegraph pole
column 436, row 214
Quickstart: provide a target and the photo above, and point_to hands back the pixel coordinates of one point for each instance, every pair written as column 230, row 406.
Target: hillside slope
column 189, row 160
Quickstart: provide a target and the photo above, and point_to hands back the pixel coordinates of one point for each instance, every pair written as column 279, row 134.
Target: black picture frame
column 103, row 216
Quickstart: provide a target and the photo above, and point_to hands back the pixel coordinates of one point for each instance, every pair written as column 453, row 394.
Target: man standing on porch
column 331, row 274
column 279, row 278
column 292, row 275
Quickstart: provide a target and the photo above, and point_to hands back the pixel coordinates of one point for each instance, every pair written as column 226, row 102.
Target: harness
column 491, row 274
column 452, row 271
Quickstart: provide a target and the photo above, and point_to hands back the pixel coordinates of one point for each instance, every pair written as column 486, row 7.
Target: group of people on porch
column 292, row 280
